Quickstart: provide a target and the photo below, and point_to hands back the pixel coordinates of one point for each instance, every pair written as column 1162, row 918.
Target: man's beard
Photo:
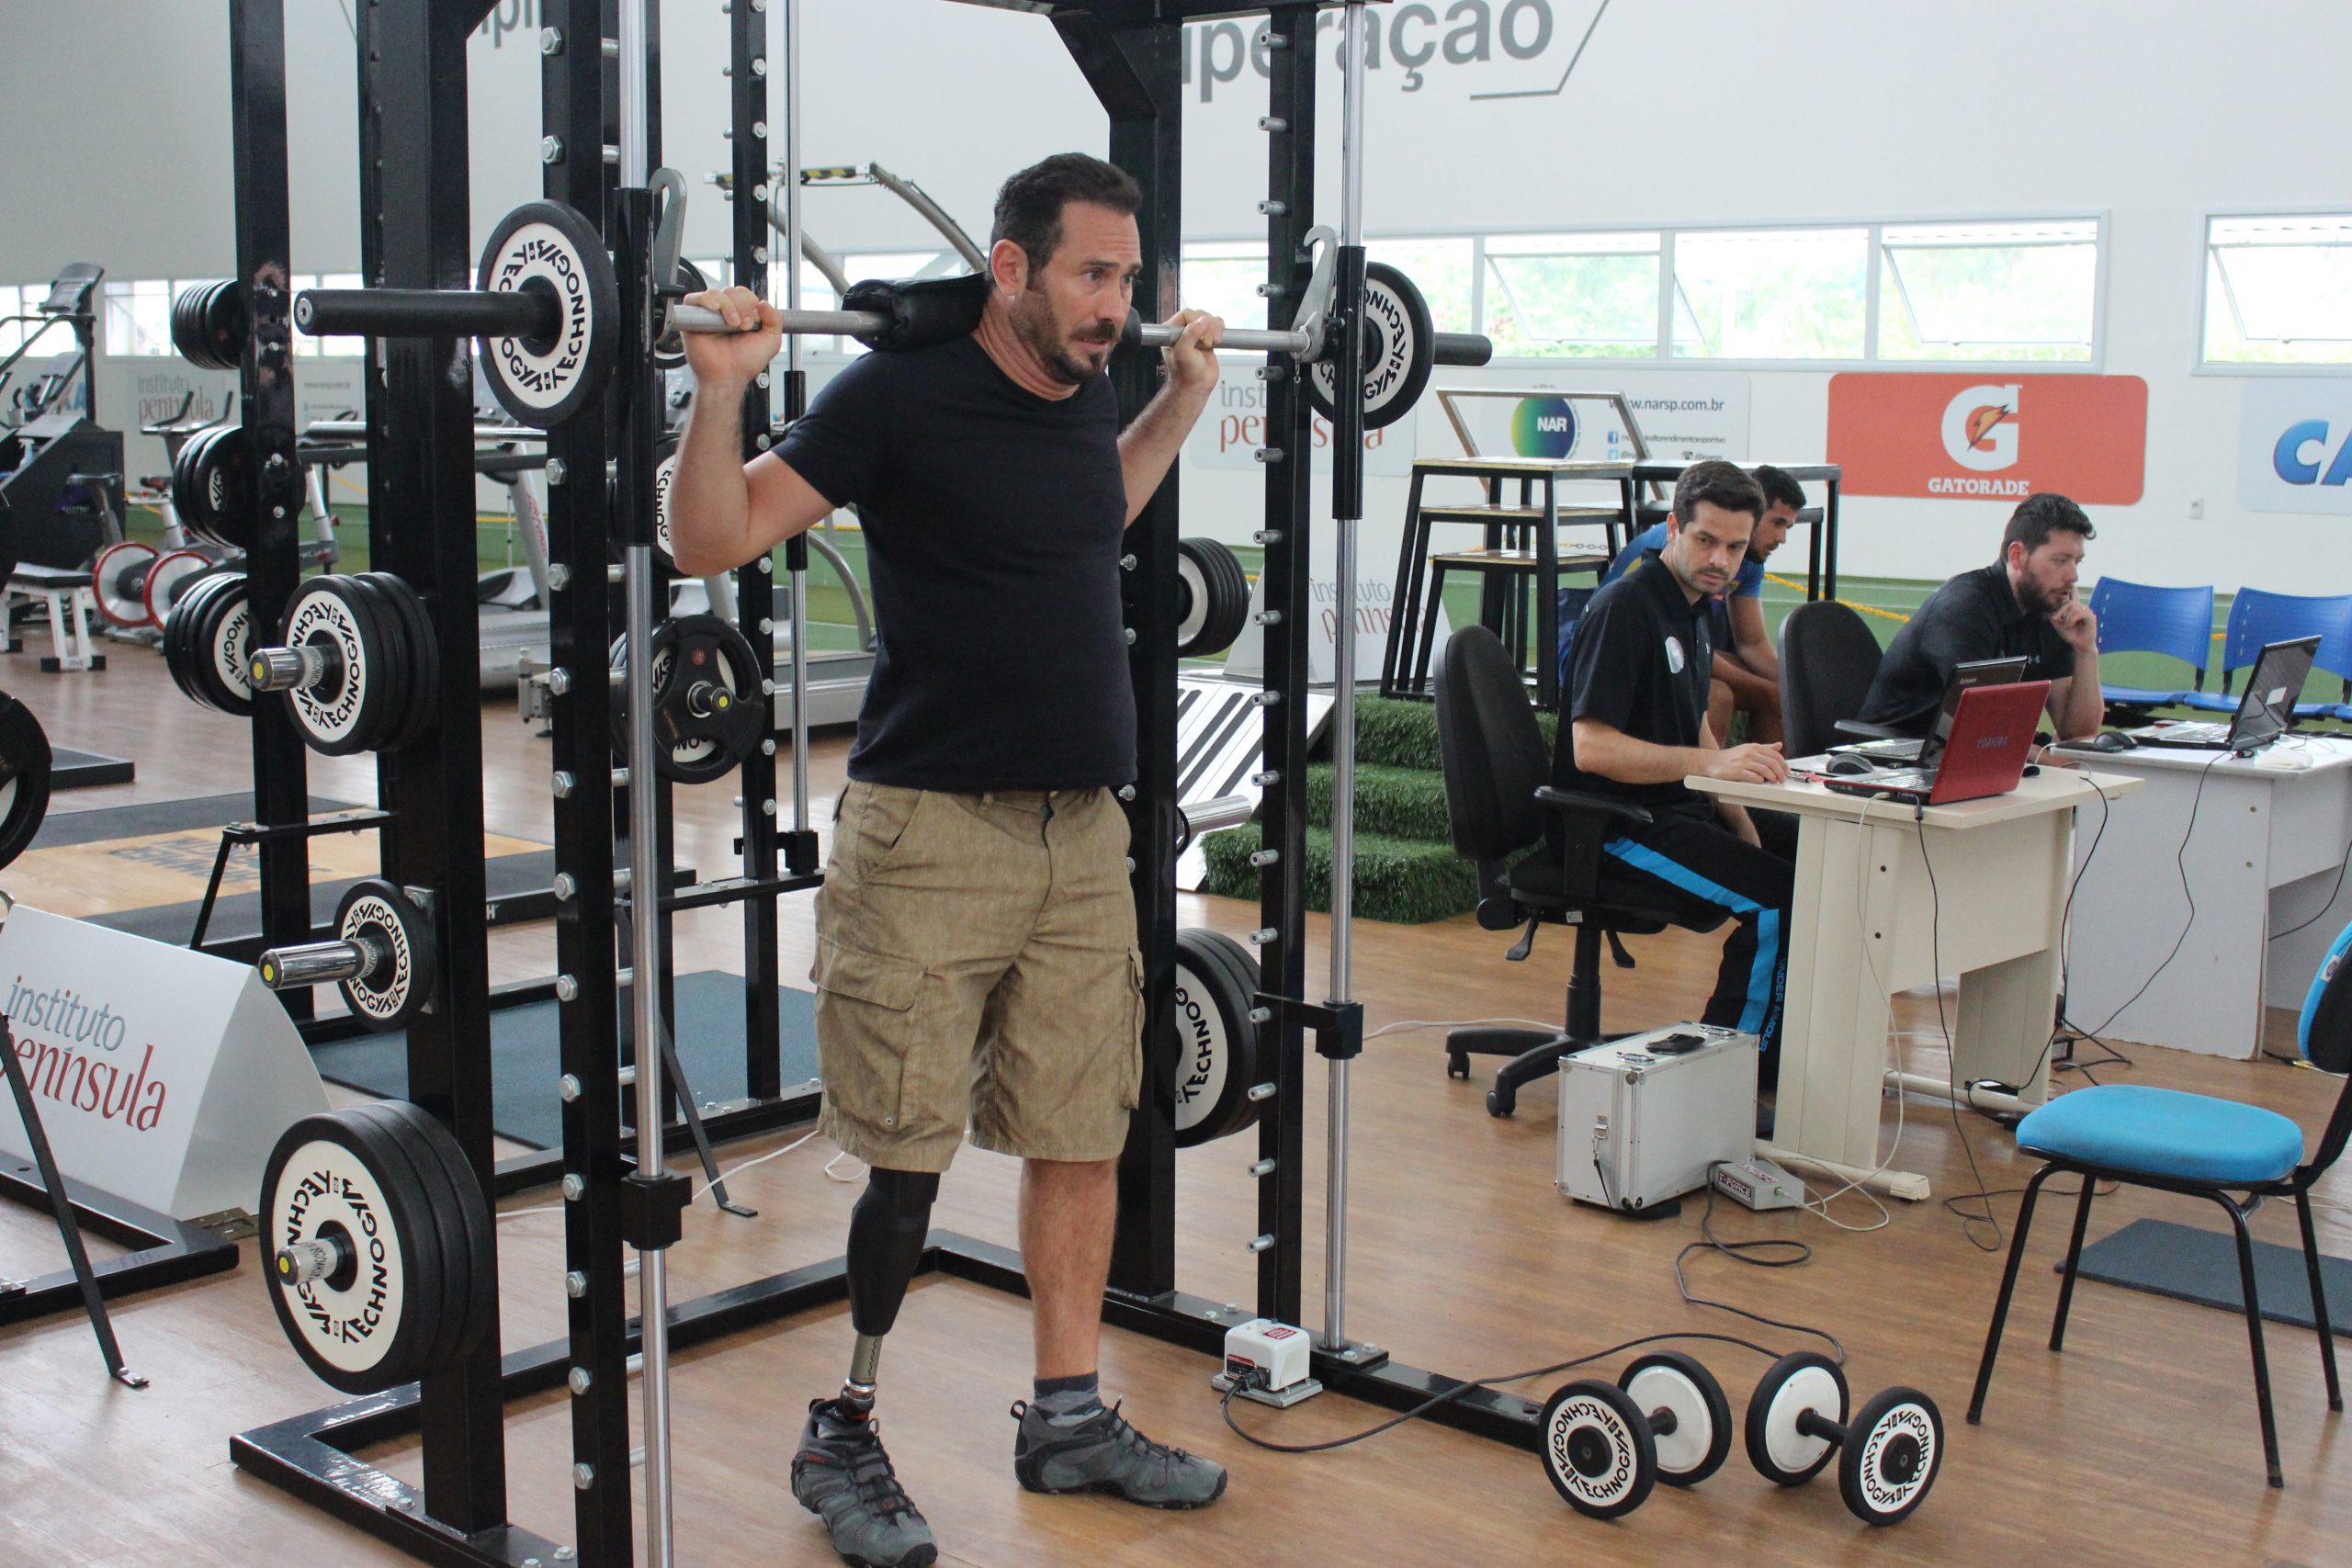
column 2044, row 596
column 1032, row 322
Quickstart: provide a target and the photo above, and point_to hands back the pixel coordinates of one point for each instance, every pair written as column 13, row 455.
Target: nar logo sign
column 2295, row 444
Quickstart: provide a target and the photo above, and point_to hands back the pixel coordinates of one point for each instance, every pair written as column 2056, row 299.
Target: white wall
column 1680, row 111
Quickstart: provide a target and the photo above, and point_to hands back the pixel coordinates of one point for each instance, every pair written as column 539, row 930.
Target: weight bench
column 66, row 591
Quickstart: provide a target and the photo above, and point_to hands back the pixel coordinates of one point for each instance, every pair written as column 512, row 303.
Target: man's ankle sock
column 1067, row 1401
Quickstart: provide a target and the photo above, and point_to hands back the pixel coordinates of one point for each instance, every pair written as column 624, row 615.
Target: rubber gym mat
column 64, row 828
column 70, row 768
column 2190, row 1264
column 525, row 1066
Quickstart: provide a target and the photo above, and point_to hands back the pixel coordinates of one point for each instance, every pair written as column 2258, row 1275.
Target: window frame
column 2201, row 365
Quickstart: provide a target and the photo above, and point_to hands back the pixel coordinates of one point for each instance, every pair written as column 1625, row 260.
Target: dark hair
column 1029, row 205
column 1719, row 482
column 2038, row 517
column 1777, row 488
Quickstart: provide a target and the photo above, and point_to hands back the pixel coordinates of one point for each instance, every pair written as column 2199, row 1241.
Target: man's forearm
column 711, row 501
column 1149, row 444
column 2086, row 703
column 1613, row 754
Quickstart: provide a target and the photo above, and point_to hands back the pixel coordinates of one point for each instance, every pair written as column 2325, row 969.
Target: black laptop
column 2265, row 711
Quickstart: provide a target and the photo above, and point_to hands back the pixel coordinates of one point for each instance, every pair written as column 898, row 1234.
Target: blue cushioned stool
column 2205, row 1147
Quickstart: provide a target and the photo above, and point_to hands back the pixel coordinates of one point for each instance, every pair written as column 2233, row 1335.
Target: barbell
column 545, row 310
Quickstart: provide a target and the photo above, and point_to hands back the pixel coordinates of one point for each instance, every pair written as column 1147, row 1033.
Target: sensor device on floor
column 1267, row 1361
column 1757, row 1183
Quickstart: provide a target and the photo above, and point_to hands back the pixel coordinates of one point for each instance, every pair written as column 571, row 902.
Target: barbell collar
column 317, row 963
column 428, row 312
column 292, row 668
column 302, row 1262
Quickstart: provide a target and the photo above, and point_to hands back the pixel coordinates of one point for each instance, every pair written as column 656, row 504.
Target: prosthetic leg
column 885, row 1236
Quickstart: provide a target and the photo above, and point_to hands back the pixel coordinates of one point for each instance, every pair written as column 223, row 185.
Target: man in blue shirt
column 1746, row 676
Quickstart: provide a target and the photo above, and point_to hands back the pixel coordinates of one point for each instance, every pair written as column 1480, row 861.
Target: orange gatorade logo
column 1962, row 437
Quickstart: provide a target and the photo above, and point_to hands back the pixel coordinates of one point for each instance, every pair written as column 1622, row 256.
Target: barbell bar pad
column 428, row 312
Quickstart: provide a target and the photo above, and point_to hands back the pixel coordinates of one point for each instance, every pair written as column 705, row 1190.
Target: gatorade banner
column 1990, row 437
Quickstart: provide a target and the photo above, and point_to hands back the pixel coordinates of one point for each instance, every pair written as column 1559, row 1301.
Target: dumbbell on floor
column 1605, row 1446
column 1887, row 1453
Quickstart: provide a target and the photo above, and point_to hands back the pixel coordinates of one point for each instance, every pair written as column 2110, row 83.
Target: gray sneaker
column 842, row 1475
column 1102, row 1453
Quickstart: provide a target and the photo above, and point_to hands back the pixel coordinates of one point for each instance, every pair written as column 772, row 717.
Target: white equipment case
column 1642, row 1119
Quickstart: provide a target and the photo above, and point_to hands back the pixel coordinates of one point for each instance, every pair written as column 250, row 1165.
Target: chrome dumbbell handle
column 320, row 962
column 293, row 668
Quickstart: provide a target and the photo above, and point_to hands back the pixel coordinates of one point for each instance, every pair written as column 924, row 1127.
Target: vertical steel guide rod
column 1343, row 714
column 791, row 252
column 645, row 911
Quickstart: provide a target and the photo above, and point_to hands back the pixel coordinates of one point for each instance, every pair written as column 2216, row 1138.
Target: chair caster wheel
column 1457, row 1065
column 1501, row 1103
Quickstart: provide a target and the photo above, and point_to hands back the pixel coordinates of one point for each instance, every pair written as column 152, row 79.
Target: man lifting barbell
column 975, row 937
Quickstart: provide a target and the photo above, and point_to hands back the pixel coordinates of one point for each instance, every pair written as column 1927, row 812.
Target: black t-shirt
column 1640, row 664
column 1975, row 616
column 994, row 520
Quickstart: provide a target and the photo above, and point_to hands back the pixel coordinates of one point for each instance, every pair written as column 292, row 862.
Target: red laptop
column 1985, row 754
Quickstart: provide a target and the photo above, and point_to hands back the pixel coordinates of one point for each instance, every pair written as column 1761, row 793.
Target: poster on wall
column 2295, row 444
column 1568, row 413
column 1990, row 437
column 1232, row 428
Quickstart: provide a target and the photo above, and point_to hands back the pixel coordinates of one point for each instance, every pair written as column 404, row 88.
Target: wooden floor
column 2137, row 1445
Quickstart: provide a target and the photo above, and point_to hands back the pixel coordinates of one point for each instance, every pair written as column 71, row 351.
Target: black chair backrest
column 2325, row 1032
column 1490, row 748
column 1828, row 659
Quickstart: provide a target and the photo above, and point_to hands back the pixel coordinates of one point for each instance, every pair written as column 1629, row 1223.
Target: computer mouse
column 2110, row 740
column 1846, row 765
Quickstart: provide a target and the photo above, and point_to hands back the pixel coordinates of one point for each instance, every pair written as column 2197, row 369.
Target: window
column 15, row 301
column 2278, row 291
column 2009, row 291
column 304, row 343
column 1572, row 296
column 1770, row 293
column 1222, row 278
column 138, row 318
column 1441, row 269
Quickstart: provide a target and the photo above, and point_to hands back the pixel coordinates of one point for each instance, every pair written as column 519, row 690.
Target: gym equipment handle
column 315, row 963
column 428, row 312
column 1462, row 348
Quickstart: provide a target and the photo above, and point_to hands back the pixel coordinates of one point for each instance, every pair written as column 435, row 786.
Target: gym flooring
column 2138, row 1445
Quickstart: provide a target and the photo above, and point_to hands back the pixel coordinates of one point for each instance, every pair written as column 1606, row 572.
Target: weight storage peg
column 381, row 957
column 1605, row 1446
column 1887, row 1454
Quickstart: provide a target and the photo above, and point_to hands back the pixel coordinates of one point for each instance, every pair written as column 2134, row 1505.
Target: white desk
column 1887, row 903
column 2264, row 856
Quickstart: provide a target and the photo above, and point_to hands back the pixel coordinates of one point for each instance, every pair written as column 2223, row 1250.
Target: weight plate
column 1217, row 1043
column 709, row 713
column 354, row 1270
column 224, row 646
column 670, row 349
column 175, row 636
column 398, row 670
column 216, row 501
column 1669, row 1381
column 118, row 580
column 167, row 579
column 24, row 763
column 186, row 500
column 425, row 683
column 451, row 1233
column 665, row 468
column 345, row 712
column 545, row 247
column 1802, row 1381
column 375, row 911
column 479, row 1247
column 1211, row 612
column 1400, row 347
column 1891, row 1455
column 1597, row 1449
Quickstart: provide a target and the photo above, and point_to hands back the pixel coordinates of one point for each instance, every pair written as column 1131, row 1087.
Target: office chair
column 2138, row 617
column 2205, row 1147
column 1499, row 804
column 2257, row 618
column 1828, row 659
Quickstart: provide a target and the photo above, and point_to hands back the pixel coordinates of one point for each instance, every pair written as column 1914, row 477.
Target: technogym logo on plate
column 1544, row 427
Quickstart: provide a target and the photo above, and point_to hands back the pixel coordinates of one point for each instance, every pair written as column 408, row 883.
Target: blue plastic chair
column 2257, row 618
column 2205, row 1147
column 2138, row 617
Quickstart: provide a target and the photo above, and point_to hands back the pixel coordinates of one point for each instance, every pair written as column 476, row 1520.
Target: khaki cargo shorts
column 976, row 962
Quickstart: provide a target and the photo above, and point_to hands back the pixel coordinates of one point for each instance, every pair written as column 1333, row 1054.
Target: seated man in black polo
column 1636, row 706
column 2022, row 604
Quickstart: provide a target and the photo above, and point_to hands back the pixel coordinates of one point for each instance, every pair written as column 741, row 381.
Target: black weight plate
column 425, row 659
column 176, row 634
column 666, row 469
column 390, row 998
column 547, row 246
column 25, row 764
column 670, row 351
column 217, row 502
column 1801, row 1380
column 1400, row 347
column 1216, row 614
column 1242, row 964
column 1892, row 1452
column 1596, row 1449
column 373, row 1326
column 119, row 581
column 223, row 643
column 451, row 1234
column 464, row 1192
column 1700, row 1440
column 224, row 325
column 186, row 501
column 1217, row 1043
column 691, row 748
column 398, row 668
column 347, row 712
